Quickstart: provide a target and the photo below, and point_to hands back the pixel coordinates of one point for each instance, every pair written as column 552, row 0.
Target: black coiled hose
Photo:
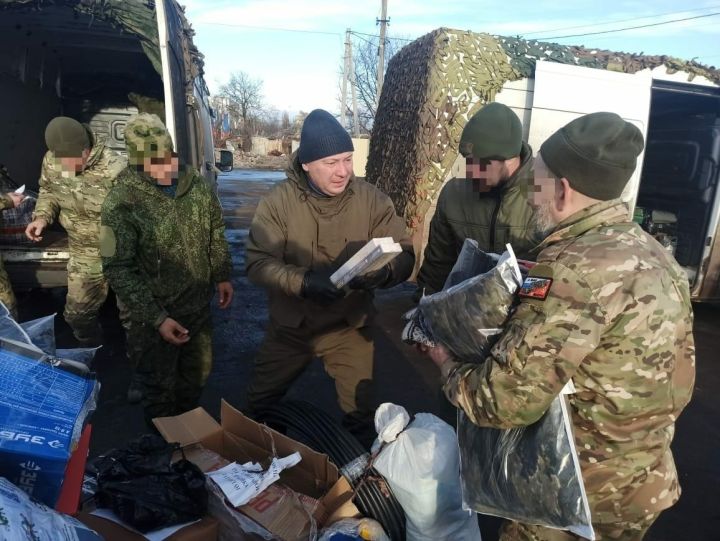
column 315, row 428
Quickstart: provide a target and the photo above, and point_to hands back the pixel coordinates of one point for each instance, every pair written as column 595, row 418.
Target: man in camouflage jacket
column 164, row 252
column 76, row 176
column 7, row 295
column 606, row 306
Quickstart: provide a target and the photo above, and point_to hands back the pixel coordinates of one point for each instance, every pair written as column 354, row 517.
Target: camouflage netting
column 434, row 84
column 136, row 17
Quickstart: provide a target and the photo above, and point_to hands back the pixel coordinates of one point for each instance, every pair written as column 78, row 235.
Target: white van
column 673, row 193
column 98, row 63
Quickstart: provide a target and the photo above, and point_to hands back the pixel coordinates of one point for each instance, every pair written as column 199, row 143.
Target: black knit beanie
column 493, row 133
column 322, row 136
column 596, row 153
column 66, row 137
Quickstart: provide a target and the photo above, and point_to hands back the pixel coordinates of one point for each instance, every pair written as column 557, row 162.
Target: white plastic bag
column 420, row 461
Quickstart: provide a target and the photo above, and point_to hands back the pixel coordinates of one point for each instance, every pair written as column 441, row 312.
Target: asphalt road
column 402, row 375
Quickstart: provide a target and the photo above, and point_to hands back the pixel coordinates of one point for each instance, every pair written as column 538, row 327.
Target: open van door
column 564, row 92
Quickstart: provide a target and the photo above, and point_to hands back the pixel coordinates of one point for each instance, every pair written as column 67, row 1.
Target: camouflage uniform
column 163, row 255
column 617, row 319
column 76, row 200
column 7, row 296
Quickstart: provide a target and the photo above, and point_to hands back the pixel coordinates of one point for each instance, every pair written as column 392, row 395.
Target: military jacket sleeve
column 219, row 252
column 118, row 248
column 386, row 223
column 440, row 252
column 47, row 206
column 265, row 248
column 6, row 202
column 543, row 343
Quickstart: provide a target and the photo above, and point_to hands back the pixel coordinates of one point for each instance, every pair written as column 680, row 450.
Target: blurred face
column 74, row 164
column 331, row 175
column 162, row 168
column 488, row 173
column 542, row 199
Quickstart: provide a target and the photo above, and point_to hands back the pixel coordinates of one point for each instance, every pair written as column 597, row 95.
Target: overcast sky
column 296, row 46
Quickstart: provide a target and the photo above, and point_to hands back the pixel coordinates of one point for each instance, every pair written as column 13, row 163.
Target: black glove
column 371, row 280
column 318, row 287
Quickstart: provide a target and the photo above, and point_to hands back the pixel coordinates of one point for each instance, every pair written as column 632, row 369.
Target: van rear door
column 564, row 92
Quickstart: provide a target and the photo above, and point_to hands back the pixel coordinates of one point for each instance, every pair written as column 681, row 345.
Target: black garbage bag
column 148, row 491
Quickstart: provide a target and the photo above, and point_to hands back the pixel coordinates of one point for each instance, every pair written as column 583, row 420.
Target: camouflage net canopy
column 136, row 17
column 437, row 82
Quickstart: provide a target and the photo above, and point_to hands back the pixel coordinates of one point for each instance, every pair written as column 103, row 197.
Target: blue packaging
column 43, row 406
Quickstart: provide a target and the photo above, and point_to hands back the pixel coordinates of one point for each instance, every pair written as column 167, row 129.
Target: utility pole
column 346, row 75
column 383, row 22
column 353, row 86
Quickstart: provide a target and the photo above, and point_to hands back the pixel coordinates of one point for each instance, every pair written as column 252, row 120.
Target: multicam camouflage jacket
column 77, row 199
column 608, row 307
column 163, row 255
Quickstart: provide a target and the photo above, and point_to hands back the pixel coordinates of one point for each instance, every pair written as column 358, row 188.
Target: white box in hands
column 373, row 256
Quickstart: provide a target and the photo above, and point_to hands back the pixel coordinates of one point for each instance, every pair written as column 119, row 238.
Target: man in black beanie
column 302, row 231
column 490, row 205
column 606, row 307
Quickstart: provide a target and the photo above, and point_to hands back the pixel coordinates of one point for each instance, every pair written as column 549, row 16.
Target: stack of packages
column 530, row 474
column 14, row 221
column 47, row 396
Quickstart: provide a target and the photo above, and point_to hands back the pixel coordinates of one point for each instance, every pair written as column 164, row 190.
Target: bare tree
column 245, row 99
column 365, row 62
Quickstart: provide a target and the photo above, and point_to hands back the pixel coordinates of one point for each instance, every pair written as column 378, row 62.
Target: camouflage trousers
column 171, row 377
column 7, row 296
column 346, row 352
column 87, row 291
column 617, row 531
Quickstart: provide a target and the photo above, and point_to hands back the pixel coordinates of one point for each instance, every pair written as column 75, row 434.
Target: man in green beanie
column 77, row 173
column 607, row 308
column 490, row 205
column 164, row 253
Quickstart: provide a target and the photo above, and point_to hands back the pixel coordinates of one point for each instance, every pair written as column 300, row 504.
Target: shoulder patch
column 108, row 243
column 535, row 287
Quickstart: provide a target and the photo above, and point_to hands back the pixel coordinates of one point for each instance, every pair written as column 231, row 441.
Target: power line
column 619, row 20
column 633, row 27
column 377, row 36
column 268, row 28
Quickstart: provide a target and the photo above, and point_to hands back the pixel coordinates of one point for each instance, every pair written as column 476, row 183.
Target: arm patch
column 108, row 242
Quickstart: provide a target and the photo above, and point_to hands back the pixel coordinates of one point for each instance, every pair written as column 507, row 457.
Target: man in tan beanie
column 77, row 173
column 490, row 204
column 606, row 307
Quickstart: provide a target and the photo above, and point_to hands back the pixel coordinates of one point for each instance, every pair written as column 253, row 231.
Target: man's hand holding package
column 318, row 287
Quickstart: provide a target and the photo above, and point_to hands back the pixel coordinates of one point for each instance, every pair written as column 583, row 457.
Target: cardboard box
column 240, row 439
column 42, row 407
column 204, row 530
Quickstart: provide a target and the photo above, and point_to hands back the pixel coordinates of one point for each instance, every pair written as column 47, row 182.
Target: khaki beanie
column 66, row 137
column 597, row 154
column 493, row 133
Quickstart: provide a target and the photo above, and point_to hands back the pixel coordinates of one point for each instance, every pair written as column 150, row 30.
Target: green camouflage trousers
column 6, row 292
column 87, row 291
column 618, row 531
column 171, row 377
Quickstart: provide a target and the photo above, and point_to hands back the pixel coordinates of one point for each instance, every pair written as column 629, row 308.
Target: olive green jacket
column 294, row 231
column 163, row 255
column 492, row 218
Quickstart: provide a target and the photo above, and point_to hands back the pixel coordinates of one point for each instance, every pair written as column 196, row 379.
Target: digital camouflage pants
column 171, row 377
column 7, row 296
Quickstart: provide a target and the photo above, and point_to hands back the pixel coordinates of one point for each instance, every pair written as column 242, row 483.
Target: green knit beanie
column 596, row 153
column 493, row 133
column 66, row 137
column 146, row 137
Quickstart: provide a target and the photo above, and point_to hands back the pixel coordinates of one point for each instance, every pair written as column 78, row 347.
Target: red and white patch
column 535, row 287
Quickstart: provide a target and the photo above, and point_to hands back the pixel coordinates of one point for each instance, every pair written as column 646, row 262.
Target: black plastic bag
column 146, row 490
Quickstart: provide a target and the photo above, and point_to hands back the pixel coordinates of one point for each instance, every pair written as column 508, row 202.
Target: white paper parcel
column 373, row 256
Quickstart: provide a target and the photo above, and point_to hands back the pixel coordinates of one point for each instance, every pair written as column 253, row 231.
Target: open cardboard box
column 240, row 439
